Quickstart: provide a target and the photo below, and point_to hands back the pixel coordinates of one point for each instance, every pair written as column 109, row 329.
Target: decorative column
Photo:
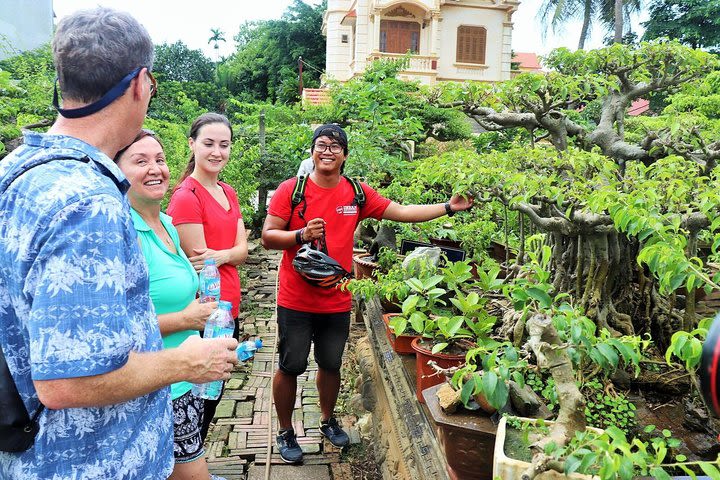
column 376, row 32
column 434, row 28
column 506, row 52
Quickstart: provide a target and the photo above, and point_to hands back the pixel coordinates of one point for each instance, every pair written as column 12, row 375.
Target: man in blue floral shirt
column 77, row 326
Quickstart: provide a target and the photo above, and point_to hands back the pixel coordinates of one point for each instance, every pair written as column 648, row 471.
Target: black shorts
column 188, row 415
column 296, row 330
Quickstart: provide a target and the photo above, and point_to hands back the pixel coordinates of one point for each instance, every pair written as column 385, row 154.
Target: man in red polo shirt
column 309, row 313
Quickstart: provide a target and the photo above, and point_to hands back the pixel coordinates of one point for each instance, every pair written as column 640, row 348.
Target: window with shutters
column 471, row 43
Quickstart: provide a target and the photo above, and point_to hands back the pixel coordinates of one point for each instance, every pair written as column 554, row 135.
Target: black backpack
column 17, row 429
column 298, row 194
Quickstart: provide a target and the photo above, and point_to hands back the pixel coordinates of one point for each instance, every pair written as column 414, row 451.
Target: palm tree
column 616, row 14
column 217, row 36
column 556, row 13
column 612, row 14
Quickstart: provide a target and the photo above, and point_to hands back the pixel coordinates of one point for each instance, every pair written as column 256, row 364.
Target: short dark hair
column 94, row 49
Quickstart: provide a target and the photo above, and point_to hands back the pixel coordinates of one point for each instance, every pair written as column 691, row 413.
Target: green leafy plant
column 605, row 408
column 421, row 307
column 687, row 346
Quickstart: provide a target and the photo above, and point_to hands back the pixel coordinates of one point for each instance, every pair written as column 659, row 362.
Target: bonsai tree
column 607, row 196
column 564, row 343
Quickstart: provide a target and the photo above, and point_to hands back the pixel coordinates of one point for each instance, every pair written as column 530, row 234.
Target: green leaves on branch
column 687, row 346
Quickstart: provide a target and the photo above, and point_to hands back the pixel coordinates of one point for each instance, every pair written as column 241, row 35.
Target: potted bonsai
column 566, row 344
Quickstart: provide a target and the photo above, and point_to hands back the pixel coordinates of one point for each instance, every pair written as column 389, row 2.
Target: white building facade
column 453, row 40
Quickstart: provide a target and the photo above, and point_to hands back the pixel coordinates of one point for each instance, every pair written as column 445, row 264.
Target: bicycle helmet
column 318, row 268
column 710, row 367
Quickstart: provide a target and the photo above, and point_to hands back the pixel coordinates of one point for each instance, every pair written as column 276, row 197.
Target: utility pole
column 263, row 187
column 300, row 81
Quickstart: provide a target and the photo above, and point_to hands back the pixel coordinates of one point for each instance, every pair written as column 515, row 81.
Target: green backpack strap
column 360, row 197
column 298, row 195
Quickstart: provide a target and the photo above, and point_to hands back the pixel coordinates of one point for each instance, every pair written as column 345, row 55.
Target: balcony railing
column 418, row 63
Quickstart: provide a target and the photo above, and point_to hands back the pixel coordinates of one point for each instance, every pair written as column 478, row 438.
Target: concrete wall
column 338, row 54
column 456, row 16
column 24, row 25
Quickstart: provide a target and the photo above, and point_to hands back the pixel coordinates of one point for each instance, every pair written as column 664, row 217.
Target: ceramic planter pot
column 390, row 306
column 400, row 343
column 466, row 438
column 424, row 374
column 364, row 268
column 506, row 467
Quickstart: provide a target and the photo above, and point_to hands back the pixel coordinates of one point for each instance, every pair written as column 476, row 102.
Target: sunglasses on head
column 113, row 94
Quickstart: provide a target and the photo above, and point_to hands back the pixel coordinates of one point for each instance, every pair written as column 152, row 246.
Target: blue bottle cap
column 209, row 261
column 225, row 305
column 258, row 343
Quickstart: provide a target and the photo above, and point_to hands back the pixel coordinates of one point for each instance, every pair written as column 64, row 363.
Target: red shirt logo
column 349, row 210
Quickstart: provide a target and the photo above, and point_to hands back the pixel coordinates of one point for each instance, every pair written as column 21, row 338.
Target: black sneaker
column 332, row 430
column 288, row 447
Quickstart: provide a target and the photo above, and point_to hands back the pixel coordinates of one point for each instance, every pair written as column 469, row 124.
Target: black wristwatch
column 450, row 212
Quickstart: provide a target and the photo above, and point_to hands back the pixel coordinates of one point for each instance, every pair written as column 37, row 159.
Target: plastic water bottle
column 219, row 325
column 209, row 282
column 246, row 350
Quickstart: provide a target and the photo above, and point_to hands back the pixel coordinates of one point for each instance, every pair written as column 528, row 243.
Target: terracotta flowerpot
column 400, row 343
column 390, row 306
column 506, row 467
column 466, row 438
column 424, row 374
column 485, row 406
column 364, row 268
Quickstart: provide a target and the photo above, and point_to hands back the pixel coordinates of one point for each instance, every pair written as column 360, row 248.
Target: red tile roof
column 527, row 61
column 349, row 19
column 316, row 96
column 639, row 107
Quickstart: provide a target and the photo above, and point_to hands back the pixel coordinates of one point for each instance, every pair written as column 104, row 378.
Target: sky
column 192, row 24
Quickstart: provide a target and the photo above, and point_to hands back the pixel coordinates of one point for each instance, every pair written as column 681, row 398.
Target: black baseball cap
column 333, row 131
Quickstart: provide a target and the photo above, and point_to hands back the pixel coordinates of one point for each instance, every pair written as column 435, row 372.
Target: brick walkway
column 237, row 443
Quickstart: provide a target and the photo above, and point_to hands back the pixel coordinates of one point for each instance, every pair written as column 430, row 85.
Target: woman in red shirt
column 207, row 215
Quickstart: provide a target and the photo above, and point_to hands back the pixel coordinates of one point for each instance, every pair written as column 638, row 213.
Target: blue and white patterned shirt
column 74, row 302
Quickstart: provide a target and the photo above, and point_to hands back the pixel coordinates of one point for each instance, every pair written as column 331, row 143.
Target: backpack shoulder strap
column 298, row 195
column 360, row 197
column 15, row 173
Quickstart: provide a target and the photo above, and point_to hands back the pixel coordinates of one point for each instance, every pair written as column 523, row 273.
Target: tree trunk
column 618, row 21
column 551, row 354
column 262, row 208
column 587, row 18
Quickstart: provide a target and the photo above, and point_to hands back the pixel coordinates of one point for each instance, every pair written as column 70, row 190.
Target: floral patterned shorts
column 188, row 413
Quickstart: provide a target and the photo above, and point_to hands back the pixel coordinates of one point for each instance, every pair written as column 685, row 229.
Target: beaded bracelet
column 299, row 236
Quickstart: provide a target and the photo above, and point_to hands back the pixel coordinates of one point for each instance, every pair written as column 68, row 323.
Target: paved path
column 237, row 443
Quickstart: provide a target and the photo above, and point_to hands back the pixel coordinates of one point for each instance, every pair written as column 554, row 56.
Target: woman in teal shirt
column 173, row 284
